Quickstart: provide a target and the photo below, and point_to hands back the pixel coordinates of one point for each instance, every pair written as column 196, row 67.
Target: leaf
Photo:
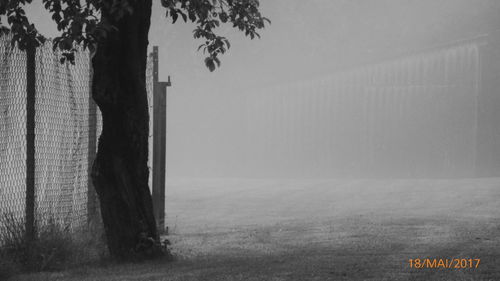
column 209, row 62
column 192, row 16
column 56, row 17
column 184, row 17
column 223, row 17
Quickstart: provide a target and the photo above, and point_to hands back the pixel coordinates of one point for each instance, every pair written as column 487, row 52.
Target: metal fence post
column 30, row 143
column 92, row 144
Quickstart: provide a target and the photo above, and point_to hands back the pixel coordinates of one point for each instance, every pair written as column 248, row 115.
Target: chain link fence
column 414, row 116
column 67, row 126
column 12, row 129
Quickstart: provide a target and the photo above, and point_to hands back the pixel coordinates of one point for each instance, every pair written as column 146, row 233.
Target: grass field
column 320, row 230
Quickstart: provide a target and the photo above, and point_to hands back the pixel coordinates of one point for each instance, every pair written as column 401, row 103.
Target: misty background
column 206, row 112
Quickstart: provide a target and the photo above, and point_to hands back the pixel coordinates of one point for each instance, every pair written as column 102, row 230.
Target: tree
column 116, row 31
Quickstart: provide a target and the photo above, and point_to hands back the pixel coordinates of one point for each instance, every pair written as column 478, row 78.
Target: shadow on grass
column 354, row 248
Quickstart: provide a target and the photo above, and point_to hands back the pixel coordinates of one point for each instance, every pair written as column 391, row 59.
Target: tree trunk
column 120, row 171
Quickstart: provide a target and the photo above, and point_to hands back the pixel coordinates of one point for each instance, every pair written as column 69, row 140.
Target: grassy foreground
column 319, row 230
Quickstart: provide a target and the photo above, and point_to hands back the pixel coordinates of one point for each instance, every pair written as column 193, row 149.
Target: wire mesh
column 61, row 144
column 62, row 134
column 12, row 129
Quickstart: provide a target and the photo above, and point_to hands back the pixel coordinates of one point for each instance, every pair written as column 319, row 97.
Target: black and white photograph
column 259, row 140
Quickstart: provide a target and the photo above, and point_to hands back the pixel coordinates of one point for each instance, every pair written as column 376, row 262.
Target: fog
column 337, row 88
column 211, row 132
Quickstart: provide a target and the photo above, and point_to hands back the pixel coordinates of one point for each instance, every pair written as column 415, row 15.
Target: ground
column 319, row 230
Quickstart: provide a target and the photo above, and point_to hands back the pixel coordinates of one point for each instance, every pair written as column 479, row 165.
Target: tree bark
column 120, row 171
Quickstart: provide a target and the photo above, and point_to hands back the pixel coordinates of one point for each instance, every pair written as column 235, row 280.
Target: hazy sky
column 305, row 39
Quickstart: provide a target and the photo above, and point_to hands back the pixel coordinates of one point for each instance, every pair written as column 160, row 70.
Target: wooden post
column 30, row 143
column 159, row 144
